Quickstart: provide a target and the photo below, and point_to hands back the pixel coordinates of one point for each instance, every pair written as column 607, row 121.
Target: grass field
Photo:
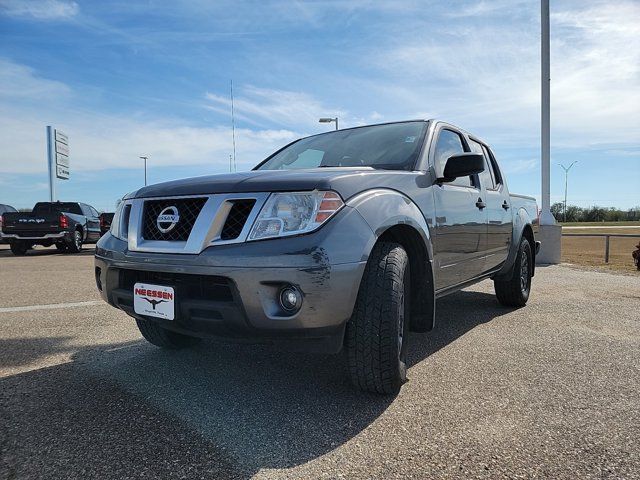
column 600, row 224
column 589, row 251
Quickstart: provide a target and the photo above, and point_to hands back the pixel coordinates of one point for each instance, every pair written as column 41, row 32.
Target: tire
column 378, row 330
column 75, row 245
column 515, row 291
column 161, row 337
column 61, row 247
column 19, row 248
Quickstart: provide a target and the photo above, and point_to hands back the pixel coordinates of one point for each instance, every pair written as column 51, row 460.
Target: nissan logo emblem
column 168, row 219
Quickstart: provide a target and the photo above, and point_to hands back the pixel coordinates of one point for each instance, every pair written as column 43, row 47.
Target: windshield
column 393, row 146
column 58, row 207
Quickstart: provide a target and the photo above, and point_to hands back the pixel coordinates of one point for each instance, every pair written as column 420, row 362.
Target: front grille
column 187, row 286
column 236, row 219
column 188, row 211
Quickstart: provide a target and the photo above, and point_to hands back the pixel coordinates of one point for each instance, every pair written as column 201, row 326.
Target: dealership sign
column 57, row 158
column 62, row 154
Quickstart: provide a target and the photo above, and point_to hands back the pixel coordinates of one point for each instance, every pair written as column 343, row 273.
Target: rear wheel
column 514, row 292
column 19, row 248
column 161, row 337
column 61, row 247
column 378, row 329
column 75, row 245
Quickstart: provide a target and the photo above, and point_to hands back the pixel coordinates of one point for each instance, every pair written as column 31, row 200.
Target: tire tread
column 371, row 332
column 508, row 291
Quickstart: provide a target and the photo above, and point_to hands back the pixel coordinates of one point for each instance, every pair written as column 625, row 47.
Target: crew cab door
column 461, row 219
column 499, row 216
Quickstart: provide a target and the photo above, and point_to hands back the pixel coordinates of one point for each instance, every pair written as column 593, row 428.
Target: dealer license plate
column 154, row 300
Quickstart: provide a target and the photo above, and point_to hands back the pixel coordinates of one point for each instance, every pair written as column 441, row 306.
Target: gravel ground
column 548, row 391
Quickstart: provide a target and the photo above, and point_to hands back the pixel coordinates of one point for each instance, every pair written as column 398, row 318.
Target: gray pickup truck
column 342, row 240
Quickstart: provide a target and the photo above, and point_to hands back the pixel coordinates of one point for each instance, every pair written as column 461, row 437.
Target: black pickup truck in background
column 67, row 225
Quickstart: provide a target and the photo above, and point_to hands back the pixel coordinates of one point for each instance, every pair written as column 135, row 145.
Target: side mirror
column 462, row 165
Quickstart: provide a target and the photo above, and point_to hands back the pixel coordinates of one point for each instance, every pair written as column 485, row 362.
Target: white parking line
column 52, row 306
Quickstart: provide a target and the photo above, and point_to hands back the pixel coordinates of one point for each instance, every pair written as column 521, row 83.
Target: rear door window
column 486, row 177
column 497, row 176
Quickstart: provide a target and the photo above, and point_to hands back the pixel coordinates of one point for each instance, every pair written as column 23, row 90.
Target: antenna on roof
column 233, row 129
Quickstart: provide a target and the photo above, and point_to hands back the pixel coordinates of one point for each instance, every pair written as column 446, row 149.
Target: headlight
column 294, row 213
column 117, row 229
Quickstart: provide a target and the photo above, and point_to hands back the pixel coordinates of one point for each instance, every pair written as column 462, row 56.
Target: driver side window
column 449, row 143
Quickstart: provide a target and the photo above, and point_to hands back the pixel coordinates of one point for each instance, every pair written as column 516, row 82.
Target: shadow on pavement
column 218, row 410
column 17, row 352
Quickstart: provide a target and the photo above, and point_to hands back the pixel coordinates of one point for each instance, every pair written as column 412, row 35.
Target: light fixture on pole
column 329, row 120
column 566, row 175
column 145, row 170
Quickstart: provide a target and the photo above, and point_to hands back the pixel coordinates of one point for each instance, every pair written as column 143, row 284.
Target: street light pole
column 329, row 120
column 545, row 216
column 566, row 175
column 549, row 232
column 145, row 170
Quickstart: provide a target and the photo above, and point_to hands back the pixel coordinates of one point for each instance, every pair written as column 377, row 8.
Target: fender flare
column 384, row 209
column 520, row 221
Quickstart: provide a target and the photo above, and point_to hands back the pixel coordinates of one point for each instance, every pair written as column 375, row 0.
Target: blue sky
column 125, row 79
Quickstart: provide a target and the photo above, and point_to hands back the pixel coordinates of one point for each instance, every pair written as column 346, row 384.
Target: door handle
column 505, row 205
column 480, row 204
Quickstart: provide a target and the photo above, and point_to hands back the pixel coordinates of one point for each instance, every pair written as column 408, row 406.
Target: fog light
column 290, row 299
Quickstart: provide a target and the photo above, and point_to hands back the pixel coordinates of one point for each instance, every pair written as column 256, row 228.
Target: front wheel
column 161, row 337
column 514, row 292
column 377, row 332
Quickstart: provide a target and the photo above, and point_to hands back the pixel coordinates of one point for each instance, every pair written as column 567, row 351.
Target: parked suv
column 338, row 240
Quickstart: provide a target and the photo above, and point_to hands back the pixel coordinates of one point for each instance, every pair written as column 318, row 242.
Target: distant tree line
column 594, row 214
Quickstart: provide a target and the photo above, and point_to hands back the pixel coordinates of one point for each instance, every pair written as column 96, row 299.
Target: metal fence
column 606, row 242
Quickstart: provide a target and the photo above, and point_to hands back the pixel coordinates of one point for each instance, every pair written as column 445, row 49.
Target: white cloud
column 486, row 76
column 596, row 74
column 98, row 142
column 28, row 103
column 40, row 9
column 296, row 110
column 19, row 81
column 514, row 167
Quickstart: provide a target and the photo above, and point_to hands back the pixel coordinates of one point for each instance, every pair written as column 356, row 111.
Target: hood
column 346, row 181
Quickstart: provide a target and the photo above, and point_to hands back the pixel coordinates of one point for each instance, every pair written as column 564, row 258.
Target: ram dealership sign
column 61, row 155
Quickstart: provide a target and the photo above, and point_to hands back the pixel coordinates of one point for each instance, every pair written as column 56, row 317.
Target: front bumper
column 232, row 290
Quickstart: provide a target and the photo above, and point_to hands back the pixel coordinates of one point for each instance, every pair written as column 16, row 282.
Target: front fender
column 383, row 209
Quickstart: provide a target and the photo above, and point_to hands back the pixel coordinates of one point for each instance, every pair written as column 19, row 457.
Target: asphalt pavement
column 551, row 390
